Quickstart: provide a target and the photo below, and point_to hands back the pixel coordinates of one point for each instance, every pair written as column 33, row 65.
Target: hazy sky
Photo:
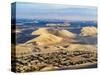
column 52, row 11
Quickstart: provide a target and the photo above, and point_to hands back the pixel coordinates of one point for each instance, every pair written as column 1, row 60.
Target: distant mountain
column 43, row 22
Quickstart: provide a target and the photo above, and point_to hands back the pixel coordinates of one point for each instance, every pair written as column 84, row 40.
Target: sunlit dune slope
column 64, row 33
column 40, row 31
column 56, row 32
column 88, row 31
column 49, row 36
column 45, row 39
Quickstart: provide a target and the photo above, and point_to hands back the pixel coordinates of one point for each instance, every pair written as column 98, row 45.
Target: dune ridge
column 49, row 36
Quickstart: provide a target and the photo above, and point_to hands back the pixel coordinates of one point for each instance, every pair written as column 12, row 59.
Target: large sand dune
column 49, row 36
column 56, row 32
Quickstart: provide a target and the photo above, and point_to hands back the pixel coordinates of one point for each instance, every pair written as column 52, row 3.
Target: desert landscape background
column 51, row 42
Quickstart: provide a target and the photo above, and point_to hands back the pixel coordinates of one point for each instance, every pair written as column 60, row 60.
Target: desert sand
column 55, row 50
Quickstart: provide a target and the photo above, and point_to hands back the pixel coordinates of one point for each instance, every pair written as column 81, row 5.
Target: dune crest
column 56, row 32
column 66, row 33
column 40, row 31
column 49, row 36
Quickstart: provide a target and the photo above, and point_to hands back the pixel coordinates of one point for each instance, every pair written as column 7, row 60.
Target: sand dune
column 88, row 31
column 45, row 39
column 66, row 33
column 56, row 32
column 49, row 36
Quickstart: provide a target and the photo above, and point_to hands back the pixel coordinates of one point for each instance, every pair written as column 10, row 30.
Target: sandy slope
column 46, row 39
column 49, row 36
column 40, row 31
column 54, row 32
column 88, row 31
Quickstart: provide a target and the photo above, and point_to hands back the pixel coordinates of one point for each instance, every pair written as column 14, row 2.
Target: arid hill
column 49, row 36
column 88, row 31
column 45, row 39
column 62, row 33
column 56, row 32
